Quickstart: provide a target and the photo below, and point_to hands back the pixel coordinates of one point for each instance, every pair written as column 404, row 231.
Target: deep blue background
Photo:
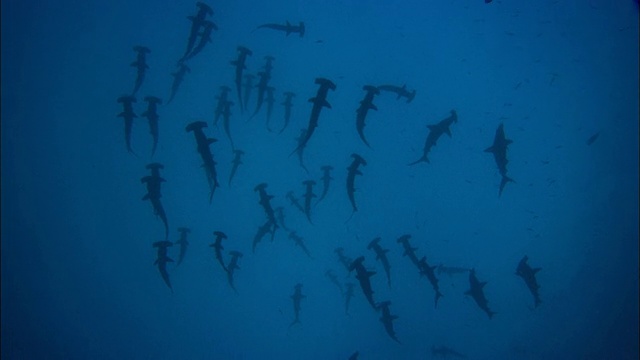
column 78, row 280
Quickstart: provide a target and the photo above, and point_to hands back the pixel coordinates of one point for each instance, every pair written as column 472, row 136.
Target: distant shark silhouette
column 446, row 353
column 154, row 194
column 239, row 63
column 152, row 115
column 499, row 151
column 208, row 163
column 141, row 66
column 364, row 276
column 435, row 131
column 128, row 115
column 288, row 104
column 232, row 267
column 477, row 293
column 528, row 274
column 387, row 320
column 381, row 255
column 299, row 241
column 352, row 172
column 287, row 28
column 162, row 260
column 401, row 91
column 222, row 100
column 297, row 298
column 184, row 244
column 365, row 105
column 319, row 101
column 217, row 247
column 197, row 22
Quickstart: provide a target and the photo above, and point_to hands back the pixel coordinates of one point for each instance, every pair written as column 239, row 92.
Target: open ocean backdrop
column 90, row 266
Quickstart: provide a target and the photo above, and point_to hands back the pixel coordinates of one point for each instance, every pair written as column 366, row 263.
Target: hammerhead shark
column 232, row 267
column 352, row 171
column 319, row 101
column 308, row 197
column 152, row 115
column 446, row 352
column 226, row 122
column 387, row 319
column 267, row 228
column 222, row 100
column 162, row 260
column 287, row 28
column 197, row 21
column 326, row 180
column 128, row 115
column 297, row 297
column 408, row 249
column 280, row 216
column 153, row 194
column 237, row 161
column 263, row 82
column 381, row 255
column 348, row 295
column 425, row 269
column 265, row 201
column 240, row 64
column 217, row 247
column 299, row 241
column 270, row 100
column 364, row 276
column 248, row 85
column 141, row 66
column 205, row 37
column 288, row 104
column 401, row 91
column 499, row 151
column 477, row 293
column 435, row 131
column 178, row 77
column 182, row 241
column 300, row 149
column 365, row 105
column 294, row 201
column 208, row 163
column 334, row 279
column 343, row 259
column 528, row 274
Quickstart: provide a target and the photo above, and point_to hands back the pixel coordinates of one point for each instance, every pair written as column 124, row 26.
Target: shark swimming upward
column 319, row 101
column 128, row 115
column 435, row 131
column 141, row 66
column 153, row 194
column 499, row 151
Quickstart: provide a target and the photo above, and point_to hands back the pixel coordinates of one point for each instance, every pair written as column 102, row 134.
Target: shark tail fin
column 424, row 158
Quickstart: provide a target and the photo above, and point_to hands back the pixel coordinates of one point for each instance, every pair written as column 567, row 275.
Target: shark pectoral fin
column 432, row 127
column 448, row 132
column 325, row 103
column 482, row 284
column 468, row 292
column 373, row 107
column 489, row 149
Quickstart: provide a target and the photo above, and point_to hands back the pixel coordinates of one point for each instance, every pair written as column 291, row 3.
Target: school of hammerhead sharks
column 199, row 36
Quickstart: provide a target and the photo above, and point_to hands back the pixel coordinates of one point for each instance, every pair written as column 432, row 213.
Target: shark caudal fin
column 424, row 158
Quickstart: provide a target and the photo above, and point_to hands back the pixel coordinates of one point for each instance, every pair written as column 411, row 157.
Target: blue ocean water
column 80, row 276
